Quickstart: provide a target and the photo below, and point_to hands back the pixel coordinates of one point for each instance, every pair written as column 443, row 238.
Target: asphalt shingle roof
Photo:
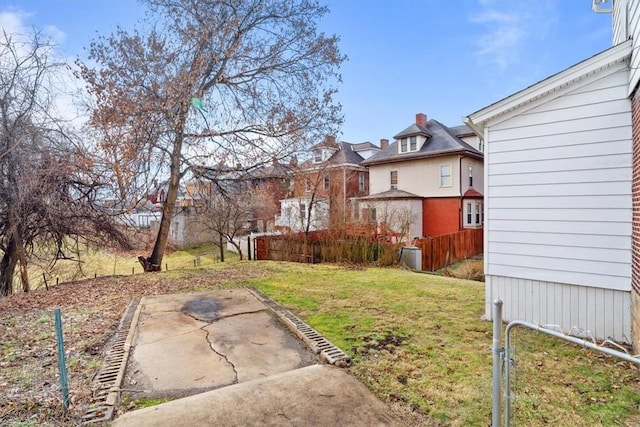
column 345, row 152
column 391, row 194
column 414, row 129
column 461, row 130
column 443, row 141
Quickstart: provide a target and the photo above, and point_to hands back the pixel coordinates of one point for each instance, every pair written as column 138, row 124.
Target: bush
column 470, row 269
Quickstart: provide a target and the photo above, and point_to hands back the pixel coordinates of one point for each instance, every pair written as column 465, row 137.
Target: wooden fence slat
column 461, row 245
column 324, row 246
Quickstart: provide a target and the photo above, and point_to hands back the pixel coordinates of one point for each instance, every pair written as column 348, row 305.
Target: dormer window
column 409, row 144
column 322, row 154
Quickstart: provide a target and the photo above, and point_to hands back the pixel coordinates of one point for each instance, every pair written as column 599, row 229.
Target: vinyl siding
column 626, row 24
column 558, row 202
column 620, row 28
column 606, row 313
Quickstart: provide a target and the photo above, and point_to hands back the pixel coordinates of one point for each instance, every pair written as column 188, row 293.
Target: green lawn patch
column 418, row 341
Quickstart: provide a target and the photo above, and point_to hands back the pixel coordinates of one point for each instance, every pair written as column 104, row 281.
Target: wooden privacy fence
column 440, row 251
column 325, row 246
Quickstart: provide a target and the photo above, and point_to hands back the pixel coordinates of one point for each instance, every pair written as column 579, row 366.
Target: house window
column 317, row 156
column 303, row 210
column 403, row 145
column 369, row 215
column 362, row 181
column 307, row 184
column 473, row 214
column 445, row 175
column 326, row 183
column 413, row 145
column 470, row 176
column 394, row 180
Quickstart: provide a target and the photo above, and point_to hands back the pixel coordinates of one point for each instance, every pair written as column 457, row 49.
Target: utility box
column 411, row 256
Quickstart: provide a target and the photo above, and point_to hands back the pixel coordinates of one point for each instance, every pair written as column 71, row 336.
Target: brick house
column 326, row 184
column 428, row 182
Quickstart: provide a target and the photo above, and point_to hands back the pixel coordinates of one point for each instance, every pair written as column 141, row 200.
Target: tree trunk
column 18, row 250
column 238, row 248
column 221, row 248
column 154, row 262
column 7, row 268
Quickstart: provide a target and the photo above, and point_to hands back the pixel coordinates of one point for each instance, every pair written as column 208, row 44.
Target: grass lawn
column 416, row 340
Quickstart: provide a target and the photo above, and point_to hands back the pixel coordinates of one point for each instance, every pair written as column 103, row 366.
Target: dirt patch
column 376, row 343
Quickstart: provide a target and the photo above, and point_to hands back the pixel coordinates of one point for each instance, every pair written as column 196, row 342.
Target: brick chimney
column 293, row 161
column 330, row 140
column 384, row 143
column 421, row 120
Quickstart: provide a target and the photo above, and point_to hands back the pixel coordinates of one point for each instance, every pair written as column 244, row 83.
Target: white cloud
column 507, row 27
column 63, row 85
column 11, row 22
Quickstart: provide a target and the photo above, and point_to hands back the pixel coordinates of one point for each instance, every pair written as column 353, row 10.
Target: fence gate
column 502, row 357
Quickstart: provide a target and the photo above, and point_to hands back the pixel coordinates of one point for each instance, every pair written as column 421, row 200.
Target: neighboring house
column 185, row 230
column 558, row 165
column 264, row 186
column 325, row 185
column 303, row 213
column 428, row 182
column 270, row 184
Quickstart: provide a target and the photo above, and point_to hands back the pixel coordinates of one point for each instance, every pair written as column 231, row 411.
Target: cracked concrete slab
column 238, row 365
column 256, row 344
column 189, row 343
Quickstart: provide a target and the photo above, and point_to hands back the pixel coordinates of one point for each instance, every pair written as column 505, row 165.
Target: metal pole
column 249, row 247
column 61, row 362
column 497, row 363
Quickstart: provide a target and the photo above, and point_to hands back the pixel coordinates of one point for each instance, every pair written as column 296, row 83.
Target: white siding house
column 295, row 214
column 558, row 198
column 626, row 20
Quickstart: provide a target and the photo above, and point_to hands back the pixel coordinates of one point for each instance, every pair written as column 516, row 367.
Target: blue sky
column 444, row 58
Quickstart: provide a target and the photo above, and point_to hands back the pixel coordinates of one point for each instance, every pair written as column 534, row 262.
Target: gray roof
column 414, row 129
column 272, row 170
column 391, row 194
column 345, row 153
column 443, row 141
column 461, row 130
column 364, row 146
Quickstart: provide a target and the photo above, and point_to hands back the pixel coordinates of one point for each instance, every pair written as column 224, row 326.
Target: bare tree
column 228, row 217
column 210, row 81
column 47, row 191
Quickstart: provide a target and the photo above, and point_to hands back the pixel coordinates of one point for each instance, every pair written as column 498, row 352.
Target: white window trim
column 403, row 145
column 473, row 210
column 441, row 176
